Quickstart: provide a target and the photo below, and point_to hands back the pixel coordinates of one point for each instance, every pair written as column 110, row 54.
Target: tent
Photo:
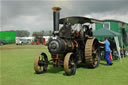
column 105, row 32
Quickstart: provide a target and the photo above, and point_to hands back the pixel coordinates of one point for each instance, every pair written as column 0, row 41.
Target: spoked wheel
column 91, row 53
column 69, row 64
column 41, row 63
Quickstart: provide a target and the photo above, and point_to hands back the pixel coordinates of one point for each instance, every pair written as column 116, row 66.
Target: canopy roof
column 105, row 32
column 115, row 20
column 79, row 20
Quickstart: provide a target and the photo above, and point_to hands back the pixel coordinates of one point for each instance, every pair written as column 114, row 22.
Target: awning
column 105, row 32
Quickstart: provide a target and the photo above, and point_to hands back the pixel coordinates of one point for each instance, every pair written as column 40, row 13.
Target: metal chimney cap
column 56, row 9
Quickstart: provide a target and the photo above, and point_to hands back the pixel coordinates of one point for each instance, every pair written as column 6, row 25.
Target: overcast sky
column 36, row 15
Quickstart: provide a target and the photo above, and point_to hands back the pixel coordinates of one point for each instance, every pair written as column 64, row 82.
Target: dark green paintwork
column 114, row 26
column 99, row 26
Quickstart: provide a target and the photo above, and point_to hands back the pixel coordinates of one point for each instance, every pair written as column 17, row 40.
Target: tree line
column 26, row 33
column 42, row 33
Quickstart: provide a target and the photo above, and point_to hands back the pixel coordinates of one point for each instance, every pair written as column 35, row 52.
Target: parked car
column 19, row 42
column 23, row 41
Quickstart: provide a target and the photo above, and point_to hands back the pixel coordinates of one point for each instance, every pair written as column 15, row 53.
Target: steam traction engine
column 70, row 46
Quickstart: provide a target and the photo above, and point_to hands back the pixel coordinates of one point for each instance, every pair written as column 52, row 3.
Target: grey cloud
column 37, row 15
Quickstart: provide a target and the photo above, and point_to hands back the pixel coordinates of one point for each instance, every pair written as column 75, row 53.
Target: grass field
column 16, row 67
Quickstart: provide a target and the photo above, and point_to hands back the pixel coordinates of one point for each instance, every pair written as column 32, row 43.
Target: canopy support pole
column 117, row 46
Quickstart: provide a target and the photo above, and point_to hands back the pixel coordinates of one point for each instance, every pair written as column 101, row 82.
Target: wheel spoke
column 40, row 68
column 39, row 58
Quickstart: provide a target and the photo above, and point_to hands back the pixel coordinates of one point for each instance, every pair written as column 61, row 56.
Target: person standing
column 90, row 32
column 107, row 51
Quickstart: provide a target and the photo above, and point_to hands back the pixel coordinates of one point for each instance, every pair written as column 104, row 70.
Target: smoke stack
column 56, row 16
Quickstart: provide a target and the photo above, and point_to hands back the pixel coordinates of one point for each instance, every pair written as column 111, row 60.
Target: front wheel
column 69, row 64
column 41, row 63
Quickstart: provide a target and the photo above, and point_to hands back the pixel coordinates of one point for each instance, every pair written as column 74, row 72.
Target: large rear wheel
column 41, row 63
column 92, row 53
column 69, row 64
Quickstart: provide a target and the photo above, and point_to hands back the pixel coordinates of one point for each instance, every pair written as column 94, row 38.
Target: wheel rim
column 69, row 64
column 41, row 63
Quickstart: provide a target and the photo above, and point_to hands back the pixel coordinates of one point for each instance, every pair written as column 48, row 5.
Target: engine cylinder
column 58, row 46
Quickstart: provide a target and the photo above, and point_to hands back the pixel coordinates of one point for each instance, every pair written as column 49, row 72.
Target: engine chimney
column 56, row 15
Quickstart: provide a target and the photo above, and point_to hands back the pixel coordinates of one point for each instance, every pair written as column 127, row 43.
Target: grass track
column 16, row 68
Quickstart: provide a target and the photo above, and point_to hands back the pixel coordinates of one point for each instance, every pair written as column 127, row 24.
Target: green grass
column 16, row 68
